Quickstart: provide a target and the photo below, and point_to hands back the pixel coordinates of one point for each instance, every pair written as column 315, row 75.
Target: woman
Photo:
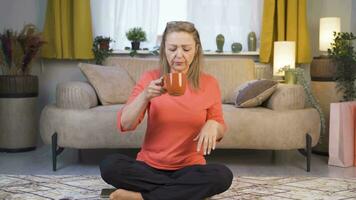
column 180, row 129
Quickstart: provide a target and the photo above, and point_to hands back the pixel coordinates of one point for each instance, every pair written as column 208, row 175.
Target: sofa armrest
column 76, row 95
column 287, row 97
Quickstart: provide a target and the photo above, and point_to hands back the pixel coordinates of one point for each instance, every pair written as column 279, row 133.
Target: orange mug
column 175, row 83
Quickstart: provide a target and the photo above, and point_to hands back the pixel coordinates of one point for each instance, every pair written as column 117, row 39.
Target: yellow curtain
column 68, row 30
column 285, row 20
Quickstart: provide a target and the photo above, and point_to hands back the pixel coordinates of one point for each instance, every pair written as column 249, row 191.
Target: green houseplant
column 18, row 89
column 343, row 54
column 297, row 75
column 101, row 49
column 136, row 35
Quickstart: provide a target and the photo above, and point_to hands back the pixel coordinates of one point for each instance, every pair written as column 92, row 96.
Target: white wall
column 353, row 20
column 15, row 13
column 345, row 9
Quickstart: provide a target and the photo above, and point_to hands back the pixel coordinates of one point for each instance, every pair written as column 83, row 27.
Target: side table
column 325, row 92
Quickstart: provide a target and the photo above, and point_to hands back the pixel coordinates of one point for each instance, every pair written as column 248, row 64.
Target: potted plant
column 343, row 54
column 101, row 48
column 136, row 35
column 297, row 76
column 18, row 89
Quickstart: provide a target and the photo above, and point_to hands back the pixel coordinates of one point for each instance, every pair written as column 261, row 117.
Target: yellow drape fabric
column 68, row 30
column 285, row 20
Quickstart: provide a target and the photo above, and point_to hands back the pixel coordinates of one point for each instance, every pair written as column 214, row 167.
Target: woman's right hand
column 154, row 89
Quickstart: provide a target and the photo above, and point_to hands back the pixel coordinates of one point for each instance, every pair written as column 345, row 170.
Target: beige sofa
column 77, row 120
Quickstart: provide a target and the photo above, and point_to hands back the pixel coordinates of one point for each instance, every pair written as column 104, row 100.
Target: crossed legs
column 136, row 180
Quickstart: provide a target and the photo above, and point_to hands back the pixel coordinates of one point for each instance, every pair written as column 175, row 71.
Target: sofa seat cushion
column 88, row 129
column 247, row 128
column 263, row 128
column 112, row 84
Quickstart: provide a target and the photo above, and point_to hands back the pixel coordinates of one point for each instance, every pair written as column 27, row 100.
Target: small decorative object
column 101, row 49
column 236, row 47
column 344, row 55
column 220, row 40
column 18, row 89
column 136, row 35
column 251, row 40
column 289, row 74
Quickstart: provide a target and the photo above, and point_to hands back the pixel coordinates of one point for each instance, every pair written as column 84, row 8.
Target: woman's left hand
column 207, row 136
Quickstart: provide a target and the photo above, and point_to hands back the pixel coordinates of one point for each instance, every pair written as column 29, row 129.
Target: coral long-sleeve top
column 174, row 121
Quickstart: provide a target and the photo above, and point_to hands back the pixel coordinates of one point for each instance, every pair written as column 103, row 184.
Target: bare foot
column 121, row 194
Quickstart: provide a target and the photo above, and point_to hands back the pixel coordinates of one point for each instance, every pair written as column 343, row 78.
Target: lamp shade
column 283, row 55
column 328, row 25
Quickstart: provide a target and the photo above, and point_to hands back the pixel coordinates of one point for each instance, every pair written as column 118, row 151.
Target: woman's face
column 180, row 51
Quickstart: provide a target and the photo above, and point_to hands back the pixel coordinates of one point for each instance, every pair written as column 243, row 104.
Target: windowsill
column 229, row 53
column 208, row 53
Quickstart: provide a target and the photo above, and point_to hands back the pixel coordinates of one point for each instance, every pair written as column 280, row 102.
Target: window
column 232, row 18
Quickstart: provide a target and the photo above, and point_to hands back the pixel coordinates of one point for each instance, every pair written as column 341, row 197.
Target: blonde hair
column 195, row 67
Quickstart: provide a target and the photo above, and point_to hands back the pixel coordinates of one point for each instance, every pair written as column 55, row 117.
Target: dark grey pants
column 194, row 182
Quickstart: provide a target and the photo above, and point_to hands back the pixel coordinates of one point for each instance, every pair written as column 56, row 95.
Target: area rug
column 38, row 187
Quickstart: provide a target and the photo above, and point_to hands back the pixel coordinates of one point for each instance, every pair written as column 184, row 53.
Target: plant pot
column 18, row 108
column 290, row 78
column 135, row 45
column 104, row 45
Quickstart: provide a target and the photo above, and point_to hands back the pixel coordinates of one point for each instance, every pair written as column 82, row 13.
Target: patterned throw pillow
column 254, row 93
column 112, row 84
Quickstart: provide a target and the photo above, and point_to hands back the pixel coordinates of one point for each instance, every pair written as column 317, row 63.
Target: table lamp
column 322, row 68
column 284, row 56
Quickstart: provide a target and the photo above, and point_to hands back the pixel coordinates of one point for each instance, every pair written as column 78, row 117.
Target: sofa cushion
column 254, row 93
column 75, row 95
column 112, row 84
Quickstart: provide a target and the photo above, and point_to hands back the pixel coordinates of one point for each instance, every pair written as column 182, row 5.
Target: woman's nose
column 179, row 53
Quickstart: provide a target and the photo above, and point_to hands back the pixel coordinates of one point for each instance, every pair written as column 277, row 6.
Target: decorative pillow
column 253, row 93
column 112, row 84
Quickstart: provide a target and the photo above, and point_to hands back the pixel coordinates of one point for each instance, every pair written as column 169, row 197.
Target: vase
column 18, row 105
column 251, row 40
column 236, row 47
column 220, row 40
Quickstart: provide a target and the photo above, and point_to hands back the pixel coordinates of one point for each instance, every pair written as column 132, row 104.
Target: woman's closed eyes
column 184, row 49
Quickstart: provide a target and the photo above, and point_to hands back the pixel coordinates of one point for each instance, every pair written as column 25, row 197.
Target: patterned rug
column 89, row 187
